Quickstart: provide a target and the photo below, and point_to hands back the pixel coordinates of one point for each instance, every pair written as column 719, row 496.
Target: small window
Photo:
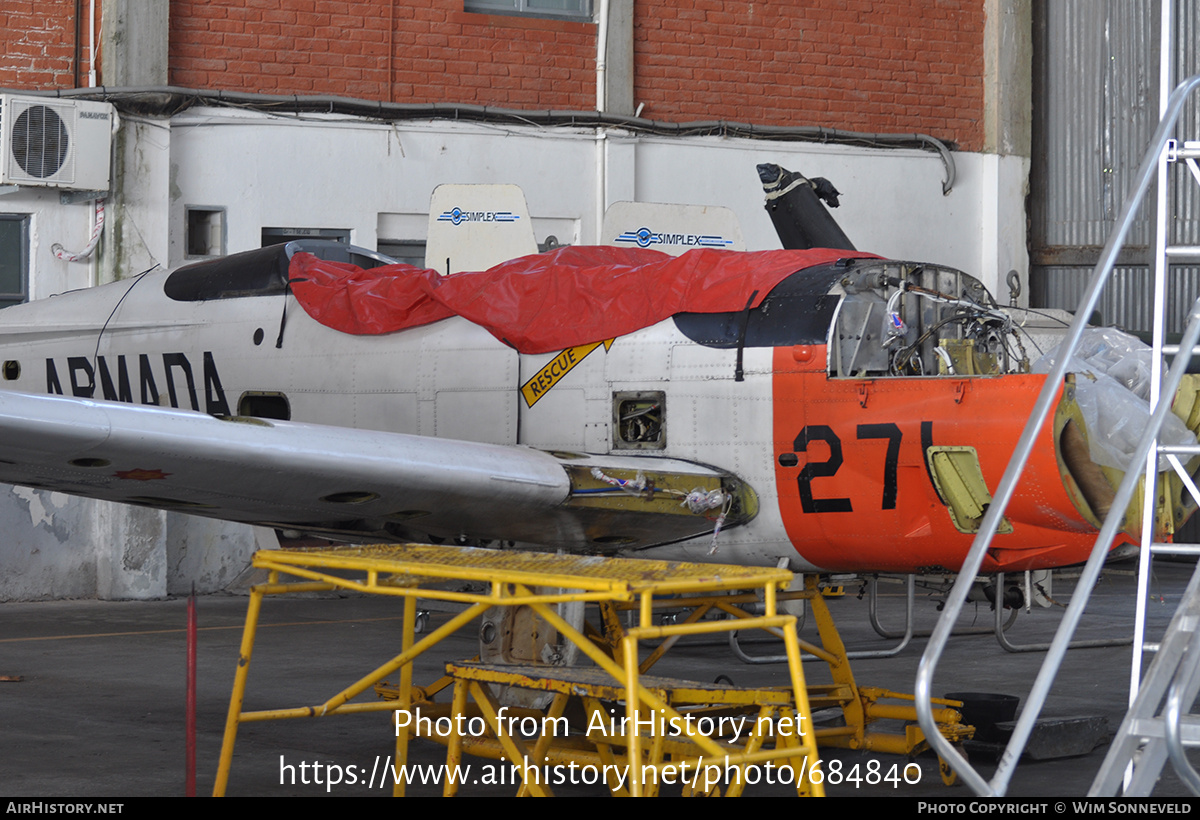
column 559, row 9
column 14, row 259
column 278, row 236
column 205, row 232
column 408, row 251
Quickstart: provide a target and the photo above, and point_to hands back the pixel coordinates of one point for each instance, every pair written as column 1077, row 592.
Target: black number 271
column 829, row 467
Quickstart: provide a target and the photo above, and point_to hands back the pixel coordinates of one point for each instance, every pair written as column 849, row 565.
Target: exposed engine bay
column 912, row 319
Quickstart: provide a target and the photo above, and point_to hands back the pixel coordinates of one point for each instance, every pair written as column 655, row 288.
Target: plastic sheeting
column 1112, row 387
column 550, row 301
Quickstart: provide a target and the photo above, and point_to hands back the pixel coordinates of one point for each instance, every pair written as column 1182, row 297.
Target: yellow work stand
column 741, row 723
column 541, row 581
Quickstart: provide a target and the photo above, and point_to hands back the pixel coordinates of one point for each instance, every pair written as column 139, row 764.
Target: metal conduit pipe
column 170, row 99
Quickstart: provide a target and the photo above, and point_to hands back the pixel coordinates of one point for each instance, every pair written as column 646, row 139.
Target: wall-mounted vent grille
column 40, row 142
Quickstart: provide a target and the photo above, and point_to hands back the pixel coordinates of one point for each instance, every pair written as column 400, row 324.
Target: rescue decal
column 115, row 384
column 140, row 474
column 556, row 368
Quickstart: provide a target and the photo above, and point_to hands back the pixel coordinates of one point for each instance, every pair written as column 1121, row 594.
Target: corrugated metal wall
column 1185, row 228
column 1095, row 108
column 1127, row 301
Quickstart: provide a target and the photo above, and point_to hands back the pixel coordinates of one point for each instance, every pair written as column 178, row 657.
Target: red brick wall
column 861, row 65
column 437, row 52
column 866, row 65
column 37, row 44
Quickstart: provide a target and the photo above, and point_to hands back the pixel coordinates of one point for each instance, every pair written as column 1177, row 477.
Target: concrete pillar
column 133, row 39
column 1007, row 121
column 133, row 43
column 131, row 551
column 1008, row 77
column 618, row 85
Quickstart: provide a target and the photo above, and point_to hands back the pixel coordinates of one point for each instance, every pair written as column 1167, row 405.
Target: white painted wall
column 339, row 173
column 331, row 172
column 51, row 222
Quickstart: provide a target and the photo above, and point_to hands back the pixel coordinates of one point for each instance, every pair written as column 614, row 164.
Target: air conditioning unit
column 55, row 143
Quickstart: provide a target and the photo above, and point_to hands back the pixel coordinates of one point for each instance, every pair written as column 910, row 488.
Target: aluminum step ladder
column 1155, row 729
column 1162, row 150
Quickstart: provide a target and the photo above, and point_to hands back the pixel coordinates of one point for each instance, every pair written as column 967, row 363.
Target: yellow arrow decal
column 555, row 369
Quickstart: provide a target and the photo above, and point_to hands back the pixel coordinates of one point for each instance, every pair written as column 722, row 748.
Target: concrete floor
column 100, row 709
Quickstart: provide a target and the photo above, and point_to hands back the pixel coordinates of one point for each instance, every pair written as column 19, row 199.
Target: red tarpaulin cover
column 549, row 301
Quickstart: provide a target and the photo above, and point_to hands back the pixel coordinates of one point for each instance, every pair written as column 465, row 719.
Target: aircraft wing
column 359, row 484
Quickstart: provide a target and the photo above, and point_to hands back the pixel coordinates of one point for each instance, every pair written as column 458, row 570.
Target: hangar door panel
column 1095, row 88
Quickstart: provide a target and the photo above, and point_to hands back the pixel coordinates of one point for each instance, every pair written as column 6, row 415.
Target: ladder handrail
column 991, row 521
column 1142, row 735
column 1181, row 689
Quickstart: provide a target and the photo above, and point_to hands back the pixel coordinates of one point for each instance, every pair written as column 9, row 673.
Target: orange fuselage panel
column 855, row 490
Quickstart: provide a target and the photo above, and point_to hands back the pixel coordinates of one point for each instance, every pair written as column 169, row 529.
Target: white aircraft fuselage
column 817, row 454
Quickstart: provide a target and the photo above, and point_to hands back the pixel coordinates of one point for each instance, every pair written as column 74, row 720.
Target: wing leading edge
column 359, row 484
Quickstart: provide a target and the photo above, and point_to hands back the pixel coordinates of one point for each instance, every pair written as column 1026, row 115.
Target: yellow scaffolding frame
column 539, row 581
